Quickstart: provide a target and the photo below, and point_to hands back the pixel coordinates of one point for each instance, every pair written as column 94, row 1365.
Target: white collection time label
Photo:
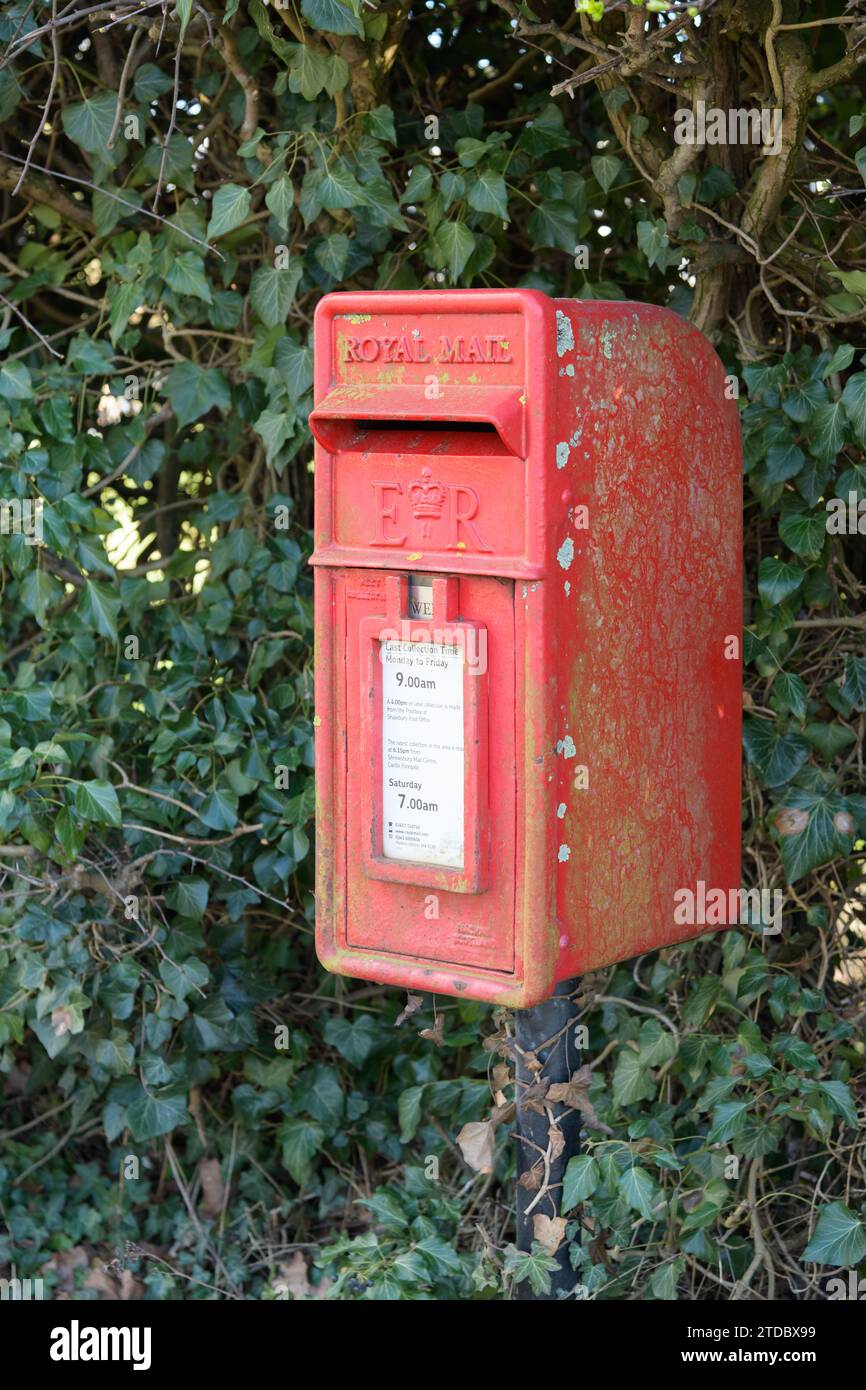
column 422, row 752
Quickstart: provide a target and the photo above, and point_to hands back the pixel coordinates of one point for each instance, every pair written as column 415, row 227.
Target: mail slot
column 528, row 616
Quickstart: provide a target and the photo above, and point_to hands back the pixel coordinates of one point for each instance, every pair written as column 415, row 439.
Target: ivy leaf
column 535, row 1266
column 220, row 810
column 813, row 827
column 150, row 83
column 97, row 802
column 487, row 193
column 854, row 401
column 332, row 254
column 187, row 977
column 418, row 185
column 275, row 427
column 553, row 223
column 829, row 739
column 827, row 430
column 186, row 275
column 98, row 607
column 840, row 361
column 812, row 480
column 838, row 1239
column 15, row 382
column 784, row 461
column 123, row 302
column 184, row 12
column 729, row 1120
column 338, row 188
column 778, row 580
column 409, row 1112
column 453, row 244
column 231, row 207
column 272, row 292
column 701, row 1003
column 838, row 1094
column 801, row 404
column 189, row 897
column 301, row 1141
column 657, row 1044
column 280, row 199
column 470, row 151
column 451, row 186
column 152, row 1116
column 581, row 1178
column 116, row 1054
column 605, row 168
column 38, row 592
column 791, row 690
column 89, row 123
column 441, row 1255
column 295, row 366
column 194, row 390
column 854, row 688
column 332, row 16
column 804, row 533
column 652, row 238
column 354, row 1040
column 637, row 1188
column 631, row 1080
column 308, row 72
column 777, row 756
column 380, row 124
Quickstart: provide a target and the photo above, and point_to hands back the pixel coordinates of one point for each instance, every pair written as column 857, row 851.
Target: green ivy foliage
column 183, row 1090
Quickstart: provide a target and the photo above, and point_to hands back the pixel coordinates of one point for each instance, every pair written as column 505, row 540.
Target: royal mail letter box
column 528, row 614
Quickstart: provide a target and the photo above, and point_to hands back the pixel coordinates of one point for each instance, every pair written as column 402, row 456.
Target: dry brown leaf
column 65, row 1263
column 503, row 1114
column 549, row 1231
column 598, row 1250
column 501, row 1043
column 61, row 1021
column 212, row 1186
column 532, row 1097
column 575, row 1094
column 477, row 1146
column 292, row 1280
column 436, row 1034
column 532, row 1178
column 113, row 1284
column 557, row 1141
column 501, row 1076
column 413, row 1004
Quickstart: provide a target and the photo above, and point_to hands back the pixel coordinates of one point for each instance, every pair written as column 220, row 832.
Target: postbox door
column 429, row 772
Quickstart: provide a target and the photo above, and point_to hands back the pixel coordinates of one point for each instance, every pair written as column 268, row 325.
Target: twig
column 33, row 329
column 48, row 100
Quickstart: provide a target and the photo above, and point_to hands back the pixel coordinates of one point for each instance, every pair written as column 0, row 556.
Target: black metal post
column 545, row 1033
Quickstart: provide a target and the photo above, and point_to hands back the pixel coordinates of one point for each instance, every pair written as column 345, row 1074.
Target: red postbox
column 528, row 616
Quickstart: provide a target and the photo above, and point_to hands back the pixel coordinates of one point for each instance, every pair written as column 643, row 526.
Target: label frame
column 473, row 877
